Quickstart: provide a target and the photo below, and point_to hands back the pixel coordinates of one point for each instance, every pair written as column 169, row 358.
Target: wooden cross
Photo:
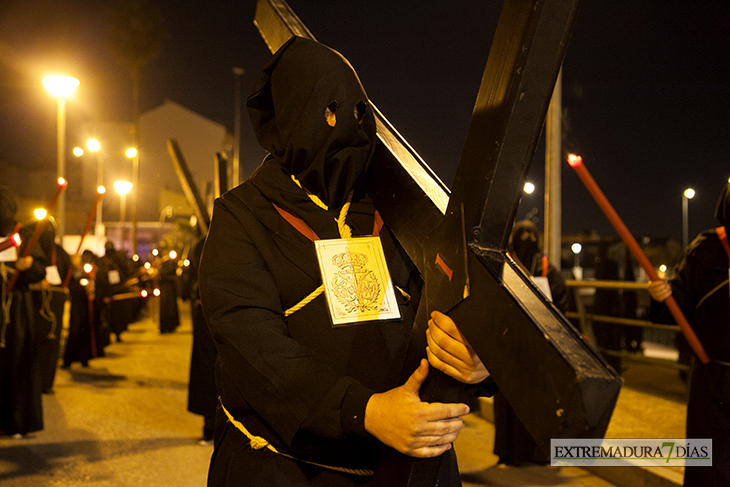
column 558, row 385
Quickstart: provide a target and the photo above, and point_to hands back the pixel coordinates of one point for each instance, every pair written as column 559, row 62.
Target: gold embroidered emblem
column 355, row 285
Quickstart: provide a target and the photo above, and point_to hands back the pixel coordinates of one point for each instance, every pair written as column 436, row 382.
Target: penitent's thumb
column 415, row 381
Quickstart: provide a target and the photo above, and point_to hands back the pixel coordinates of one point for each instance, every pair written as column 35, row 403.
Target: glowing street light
column 94, row 146
column 688, row 194
column 133, row 154
column 61, row 87
column 529, row 188
column 577, row 248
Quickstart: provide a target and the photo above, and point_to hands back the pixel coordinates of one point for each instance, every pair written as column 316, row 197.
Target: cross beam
column 188, row 185
column 558, row 385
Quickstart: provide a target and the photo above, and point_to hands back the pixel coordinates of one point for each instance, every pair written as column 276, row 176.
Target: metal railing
column 586, row 319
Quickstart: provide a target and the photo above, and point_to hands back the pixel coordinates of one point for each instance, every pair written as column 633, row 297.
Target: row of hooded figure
column 43, row 289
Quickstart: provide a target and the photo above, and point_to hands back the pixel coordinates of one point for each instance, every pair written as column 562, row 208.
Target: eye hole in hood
column 360, row 108
column 330, row 114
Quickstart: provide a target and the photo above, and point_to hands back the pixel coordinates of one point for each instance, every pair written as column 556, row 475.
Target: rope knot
column 257, row 443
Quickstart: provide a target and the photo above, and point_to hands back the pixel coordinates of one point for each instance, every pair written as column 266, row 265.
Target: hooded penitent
column 525, row 249
column 309, row 110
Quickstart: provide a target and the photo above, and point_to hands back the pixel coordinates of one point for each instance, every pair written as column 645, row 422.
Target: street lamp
column 529, row 188
column 94, row 146
column 122, row 187
column 577, row 270
column 61, row 87
column 133, row 154
column 688, row 194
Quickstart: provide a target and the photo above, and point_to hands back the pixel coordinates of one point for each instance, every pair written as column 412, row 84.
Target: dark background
column 646, row 87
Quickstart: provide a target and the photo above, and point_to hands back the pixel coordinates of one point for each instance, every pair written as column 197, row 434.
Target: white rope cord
column 257, row 443
column 716, row 288
column 342, row 227
column 304, row 301
column 47, row 313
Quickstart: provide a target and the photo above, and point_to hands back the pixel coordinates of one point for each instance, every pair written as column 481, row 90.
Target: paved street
column 120, row 422
column 123, row 422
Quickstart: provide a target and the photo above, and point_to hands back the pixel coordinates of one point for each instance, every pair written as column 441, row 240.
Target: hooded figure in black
column 49, row 300
column 21, row 405
column 301, row 401
column 700, row 287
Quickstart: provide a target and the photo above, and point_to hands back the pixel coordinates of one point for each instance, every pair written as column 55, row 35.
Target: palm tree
column 135, row 34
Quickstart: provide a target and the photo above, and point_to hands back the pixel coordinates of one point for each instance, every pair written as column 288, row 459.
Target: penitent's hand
column 402, row 421
column 24, row 263
column 660, row 290
column 449, row 351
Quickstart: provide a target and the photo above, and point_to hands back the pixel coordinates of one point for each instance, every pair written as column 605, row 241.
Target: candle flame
column 574, row 160
column 101, row 190
column 62, row 183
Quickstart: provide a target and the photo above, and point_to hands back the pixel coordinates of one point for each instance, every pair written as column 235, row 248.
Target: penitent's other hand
column 451, row 353
column 660, row 290
column 402, row 421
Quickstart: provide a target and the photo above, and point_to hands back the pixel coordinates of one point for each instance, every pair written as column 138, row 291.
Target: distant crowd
column 99, row 296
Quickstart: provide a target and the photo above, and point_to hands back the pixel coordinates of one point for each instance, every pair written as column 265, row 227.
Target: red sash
column 307, row 231
column 723, row 239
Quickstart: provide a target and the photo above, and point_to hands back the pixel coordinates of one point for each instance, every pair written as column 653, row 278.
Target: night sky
column 646, row 88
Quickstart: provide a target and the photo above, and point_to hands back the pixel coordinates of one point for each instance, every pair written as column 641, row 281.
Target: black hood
column 8, row 209
column 303, row 84
column 526, row 251
column 722, row 212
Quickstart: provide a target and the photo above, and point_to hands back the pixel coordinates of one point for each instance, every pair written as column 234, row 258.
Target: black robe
column 21, row 406
column 202, row 391
column 169, row 314
column 513, row 444
column 704, row 268
column 84, row 341
column 298, row 381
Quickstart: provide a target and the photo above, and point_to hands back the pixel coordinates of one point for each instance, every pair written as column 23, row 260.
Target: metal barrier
column 585, row 319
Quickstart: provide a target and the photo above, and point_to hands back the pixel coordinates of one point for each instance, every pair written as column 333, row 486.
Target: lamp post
column 122, row 187
column 94, row 146
column 577, row 270
column 688, row 194
column 61, row 87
